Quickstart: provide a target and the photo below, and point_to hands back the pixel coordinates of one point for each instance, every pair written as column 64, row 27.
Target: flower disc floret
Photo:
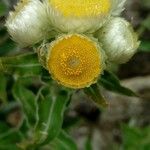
column 84, row 8
column 74, row 61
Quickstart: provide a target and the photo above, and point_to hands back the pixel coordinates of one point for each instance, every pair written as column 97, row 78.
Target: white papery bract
column 82, row 15
column 117, row 7
column 118, row 40
column 28, row 23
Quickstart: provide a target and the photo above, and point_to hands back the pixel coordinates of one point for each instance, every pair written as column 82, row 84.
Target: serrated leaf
column 27, row 101
column 50, row 114
column 110, row 82
column 95, row 94
column 23, row 65
column 63, row 142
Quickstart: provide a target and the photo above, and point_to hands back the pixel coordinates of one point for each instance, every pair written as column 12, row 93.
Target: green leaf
column 88, row 143
column 23, row 65
column 3, row 129
column 8, row 137
column 110, row 82
column 27, row 100
column 3, row 9
column 3, row 85
column 145, row 46
column 136, row 138
column 63, row 142
column 7, row 46
column 145, row 3
column 95, row 94
column 50, row 116
column 10, row 142
column 146, row 23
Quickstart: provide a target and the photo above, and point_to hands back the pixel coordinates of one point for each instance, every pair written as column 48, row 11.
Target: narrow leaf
column 50, row 114
column 136, row 138
column 27, row 100
column 110, row 82
column 88, row 143
column 63, row 142
column 8, row 138
column 95, row 94
column 22, row 65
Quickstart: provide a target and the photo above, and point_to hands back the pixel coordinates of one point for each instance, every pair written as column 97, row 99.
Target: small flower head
column 27, row 24
column 81, row 15
column 74, row 61
column 84, row 8
column 118, row 39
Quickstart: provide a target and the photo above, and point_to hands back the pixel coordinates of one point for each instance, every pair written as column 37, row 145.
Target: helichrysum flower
column 118, row 39
column 28, row 23
column 75, row 61
column 82, row 15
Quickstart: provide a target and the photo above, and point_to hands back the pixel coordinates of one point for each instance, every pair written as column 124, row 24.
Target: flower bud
column 28, row 23
column 118, row 40
column 73, row 60
column 80, row 15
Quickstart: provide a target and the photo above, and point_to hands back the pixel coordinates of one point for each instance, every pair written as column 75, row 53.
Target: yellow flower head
column 78, row 15
column 81, row 8
column 74, row 61
column 81, row 15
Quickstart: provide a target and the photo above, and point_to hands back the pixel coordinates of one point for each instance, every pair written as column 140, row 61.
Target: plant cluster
column 74, row 42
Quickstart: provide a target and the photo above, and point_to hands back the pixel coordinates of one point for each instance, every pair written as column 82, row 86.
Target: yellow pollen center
column 71, row 63
column 74, row 61
column 82, row 8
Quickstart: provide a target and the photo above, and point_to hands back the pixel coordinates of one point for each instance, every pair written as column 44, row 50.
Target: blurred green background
column 125, row 124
